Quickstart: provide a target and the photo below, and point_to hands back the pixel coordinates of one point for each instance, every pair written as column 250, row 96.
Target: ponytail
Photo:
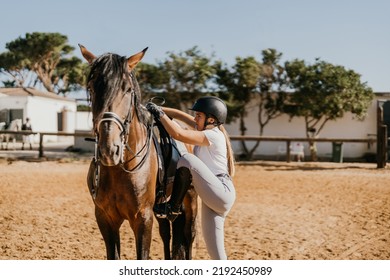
column 229, row 152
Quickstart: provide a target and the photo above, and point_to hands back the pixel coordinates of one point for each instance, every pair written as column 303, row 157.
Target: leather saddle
column 168, row 153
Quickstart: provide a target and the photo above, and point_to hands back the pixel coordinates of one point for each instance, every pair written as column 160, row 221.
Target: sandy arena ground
column 283, row 211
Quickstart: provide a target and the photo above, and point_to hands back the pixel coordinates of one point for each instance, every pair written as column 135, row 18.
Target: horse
column 14, row 125
column 123, row 175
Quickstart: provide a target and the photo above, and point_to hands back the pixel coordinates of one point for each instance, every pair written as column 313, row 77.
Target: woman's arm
column 180, row 115
column 192, row 137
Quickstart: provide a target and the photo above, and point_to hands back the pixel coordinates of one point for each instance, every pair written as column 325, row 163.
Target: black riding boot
column 180, row 187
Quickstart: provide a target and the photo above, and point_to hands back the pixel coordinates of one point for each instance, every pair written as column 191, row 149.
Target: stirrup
column 164, row 211
column 161, row 210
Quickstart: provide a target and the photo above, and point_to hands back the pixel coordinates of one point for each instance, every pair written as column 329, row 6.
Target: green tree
column 272, row 83
column 183, row 77
column 150, row 79
column 43, row 58
column 238, row 85
column 323, row 92
column 252, row 84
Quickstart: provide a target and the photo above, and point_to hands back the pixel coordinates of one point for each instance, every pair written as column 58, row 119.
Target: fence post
column 40, row 145
column 382, row 146
column 288, row 156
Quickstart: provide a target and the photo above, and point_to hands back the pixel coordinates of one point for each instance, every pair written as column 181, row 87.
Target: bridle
column 124, row 126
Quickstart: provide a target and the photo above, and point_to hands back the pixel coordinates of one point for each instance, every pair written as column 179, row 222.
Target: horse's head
column 113, row 92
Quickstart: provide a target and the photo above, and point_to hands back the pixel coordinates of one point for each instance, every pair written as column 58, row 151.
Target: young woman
column 210, row 168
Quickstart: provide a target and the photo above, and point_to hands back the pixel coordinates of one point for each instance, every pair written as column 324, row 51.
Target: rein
column 146, row 146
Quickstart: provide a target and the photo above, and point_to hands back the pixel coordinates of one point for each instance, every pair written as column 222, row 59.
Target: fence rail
column 300, row 139
column 287, row 140
column 42, row 134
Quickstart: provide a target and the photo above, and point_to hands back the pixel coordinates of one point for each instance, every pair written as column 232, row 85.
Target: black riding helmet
column 211, row 105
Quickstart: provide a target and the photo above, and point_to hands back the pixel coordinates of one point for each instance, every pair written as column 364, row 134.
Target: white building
column 347, row 127
column 47, row 111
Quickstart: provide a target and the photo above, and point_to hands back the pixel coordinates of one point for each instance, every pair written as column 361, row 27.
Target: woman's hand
column 192, row 137
column 155, row 110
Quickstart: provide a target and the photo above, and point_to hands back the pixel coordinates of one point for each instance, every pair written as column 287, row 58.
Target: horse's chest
column 120, row 191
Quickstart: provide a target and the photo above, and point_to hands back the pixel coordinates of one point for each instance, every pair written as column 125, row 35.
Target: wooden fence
column 43, row 134
column 286, row 140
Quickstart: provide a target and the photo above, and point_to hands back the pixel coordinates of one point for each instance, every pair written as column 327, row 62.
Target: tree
column 323, row 92
column 150, row 79
column 183, row 77
column 238, row 86
column 252, row 84
column 272, row 83
column 13, row 65
column 43, row 58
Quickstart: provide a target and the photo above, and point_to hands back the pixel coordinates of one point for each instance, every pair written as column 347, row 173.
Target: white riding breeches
column 218, row 195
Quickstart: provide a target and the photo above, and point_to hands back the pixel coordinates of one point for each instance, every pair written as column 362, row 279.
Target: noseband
column 112, row 117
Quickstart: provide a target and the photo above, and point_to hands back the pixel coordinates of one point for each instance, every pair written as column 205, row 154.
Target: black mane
column 109, row 77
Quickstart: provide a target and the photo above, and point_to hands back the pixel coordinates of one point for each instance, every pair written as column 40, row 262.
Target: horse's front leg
column 14, row 144
column 6, row 143
column 142, row 227
column 110, row 232
column 164, row 227
column 184, row 228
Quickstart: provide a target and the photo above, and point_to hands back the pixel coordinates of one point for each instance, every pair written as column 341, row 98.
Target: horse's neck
column 14, row 126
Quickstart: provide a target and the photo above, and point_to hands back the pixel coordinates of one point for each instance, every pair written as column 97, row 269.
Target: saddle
column 168, row 153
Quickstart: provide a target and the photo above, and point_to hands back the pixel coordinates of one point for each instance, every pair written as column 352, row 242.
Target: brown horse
column 123, row 175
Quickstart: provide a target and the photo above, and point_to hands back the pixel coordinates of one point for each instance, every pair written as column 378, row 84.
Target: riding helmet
column 211, row 105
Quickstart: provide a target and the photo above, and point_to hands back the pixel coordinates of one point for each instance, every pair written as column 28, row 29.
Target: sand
column 283, row 211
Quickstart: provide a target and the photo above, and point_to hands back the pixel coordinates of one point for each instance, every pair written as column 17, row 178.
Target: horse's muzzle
column 109, row 142
column 110, row 155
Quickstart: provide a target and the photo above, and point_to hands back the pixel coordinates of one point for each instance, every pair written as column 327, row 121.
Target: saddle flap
column 168, row 154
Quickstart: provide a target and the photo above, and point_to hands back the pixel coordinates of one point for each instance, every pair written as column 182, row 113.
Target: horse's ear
column 133, row 60
column 90, row 57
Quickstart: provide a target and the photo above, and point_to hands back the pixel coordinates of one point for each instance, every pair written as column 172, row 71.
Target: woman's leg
column 216, row 195
column 213, row 233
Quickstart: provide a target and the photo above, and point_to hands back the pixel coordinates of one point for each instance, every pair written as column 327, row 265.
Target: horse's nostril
column 118, row 150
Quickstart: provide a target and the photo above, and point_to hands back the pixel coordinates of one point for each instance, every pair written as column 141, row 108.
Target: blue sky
column 355, row 34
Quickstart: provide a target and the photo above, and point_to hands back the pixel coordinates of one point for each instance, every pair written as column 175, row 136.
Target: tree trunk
column 244, row 155
column 313, row 151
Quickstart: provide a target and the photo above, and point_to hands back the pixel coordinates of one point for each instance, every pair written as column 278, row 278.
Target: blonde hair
column 229, row 152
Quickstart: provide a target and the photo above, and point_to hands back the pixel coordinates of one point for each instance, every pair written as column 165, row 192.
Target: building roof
column 19, row 91
column 382, row 93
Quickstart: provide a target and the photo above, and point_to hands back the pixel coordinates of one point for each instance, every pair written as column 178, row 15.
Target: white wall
column 347, row 127
column 83, row 121
column 84, row 125
column 42, row 112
